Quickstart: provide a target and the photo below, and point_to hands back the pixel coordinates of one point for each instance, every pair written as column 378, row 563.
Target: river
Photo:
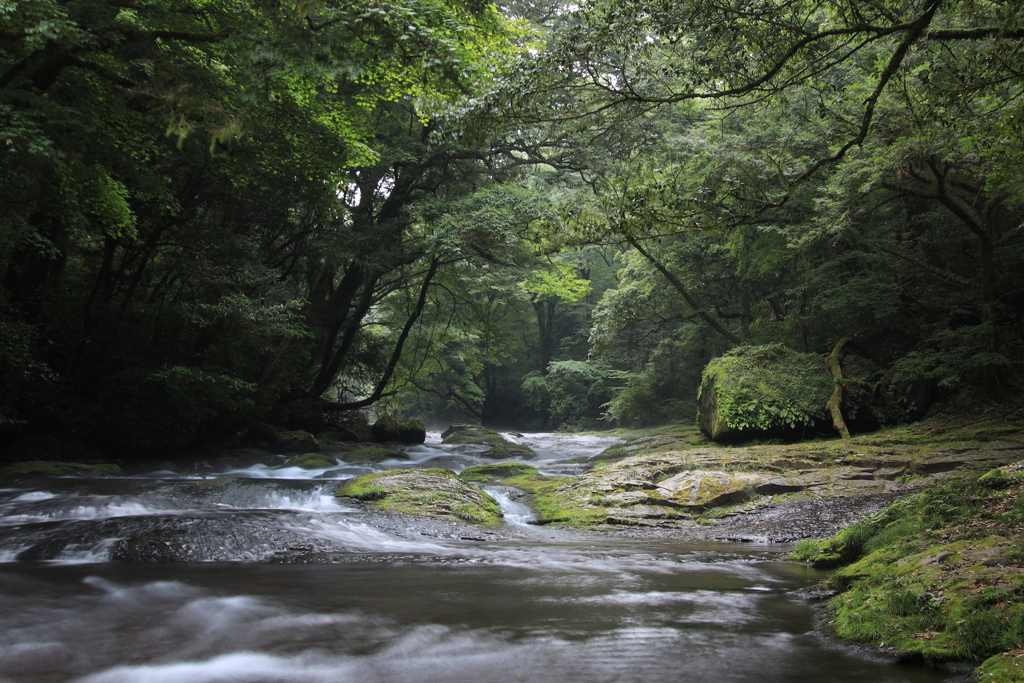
column 260, row 575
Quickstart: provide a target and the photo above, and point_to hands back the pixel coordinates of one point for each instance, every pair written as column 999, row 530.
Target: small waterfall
column 515, row 512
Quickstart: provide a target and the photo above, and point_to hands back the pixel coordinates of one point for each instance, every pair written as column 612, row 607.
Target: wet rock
column 373, row 454
column 295, row 441
column 969, row 456
column 311, row 461
column 390, row 429
column 498, row 447
column 343, row 436
column 427, row 492
column 710, row 489
column 56, row 469
column 496, row 472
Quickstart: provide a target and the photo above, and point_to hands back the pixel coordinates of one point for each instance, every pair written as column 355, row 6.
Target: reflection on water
column 263, row 576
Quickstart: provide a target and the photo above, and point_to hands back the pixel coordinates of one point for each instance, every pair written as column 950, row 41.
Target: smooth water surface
column 258, row 577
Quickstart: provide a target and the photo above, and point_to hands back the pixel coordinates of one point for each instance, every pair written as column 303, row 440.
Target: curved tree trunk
column 836, row 400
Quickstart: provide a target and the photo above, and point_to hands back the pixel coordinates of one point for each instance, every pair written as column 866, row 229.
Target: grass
column 936, row 576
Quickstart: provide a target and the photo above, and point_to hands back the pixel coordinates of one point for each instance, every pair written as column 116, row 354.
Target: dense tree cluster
column 533, row 216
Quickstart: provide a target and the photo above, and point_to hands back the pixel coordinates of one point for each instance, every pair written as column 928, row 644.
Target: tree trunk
column 836, row 400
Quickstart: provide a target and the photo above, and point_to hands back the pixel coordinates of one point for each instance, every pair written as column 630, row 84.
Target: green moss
column 24, row 469
column 363, row 488
column 1006, row 667
column 311, row 461
column 493, row 472
column 551, row 504
column 928, row 576
column 427, row 492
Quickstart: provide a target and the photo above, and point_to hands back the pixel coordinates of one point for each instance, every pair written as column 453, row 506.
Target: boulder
column 495, row 472
column 498, row 447
column 374, row 455
column 296, row 441
column 391, row 429
column 759, row 391
column 56, row 469
column 707, row 489
column 429, row 492
column 311, row 461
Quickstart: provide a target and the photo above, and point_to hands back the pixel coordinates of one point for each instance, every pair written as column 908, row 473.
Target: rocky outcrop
column 677, row 488
column 497, row 446
column 429, row 492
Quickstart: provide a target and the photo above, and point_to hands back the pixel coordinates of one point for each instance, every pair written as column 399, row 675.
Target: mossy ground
column 937, row 575
column 426, row 492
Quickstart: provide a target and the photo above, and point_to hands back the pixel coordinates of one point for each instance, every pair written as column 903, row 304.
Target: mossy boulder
column 499, row 448
column 47, row 468
column 373, row 454
column 311, row 461
column 503, row 470
column 337, row 436
column 429, row 492
column 756, row 391
column 391, row 429
column 296, row 441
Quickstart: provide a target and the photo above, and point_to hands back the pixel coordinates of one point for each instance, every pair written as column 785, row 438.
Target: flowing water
column 261, row 575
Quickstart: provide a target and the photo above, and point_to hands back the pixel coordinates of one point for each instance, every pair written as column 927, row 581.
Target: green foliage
column 766, row 387
column 573, row 393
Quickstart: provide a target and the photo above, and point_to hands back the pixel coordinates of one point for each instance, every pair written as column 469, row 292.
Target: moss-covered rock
column 311, row 461
column 551, row 499
column 763, row 390
column 499, row 448
column 373, row 454
column 296, row 441
column 390, row 429
column 428, row 492
column 56, row 469
column 494, row 472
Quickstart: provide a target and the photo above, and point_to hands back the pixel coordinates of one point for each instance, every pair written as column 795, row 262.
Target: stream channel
column 261, row 575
